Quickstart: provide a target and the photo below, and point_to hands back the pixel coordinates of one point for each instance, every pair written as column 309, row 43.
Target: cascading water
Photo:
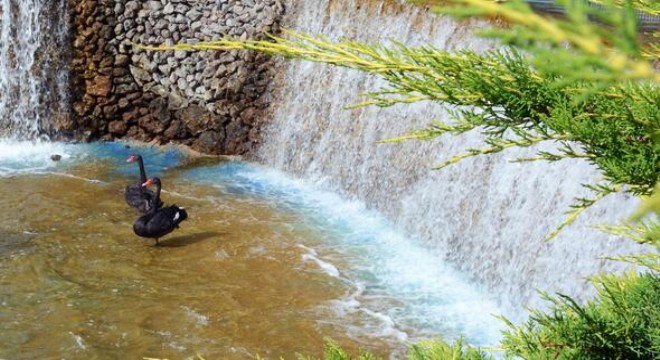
column 33, row 80
column 269, row 265
column 485, row 215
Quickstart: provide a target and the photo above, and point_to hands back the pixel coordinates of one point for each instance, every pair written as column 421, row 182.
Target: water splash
column 486, row 216
column 19, row 157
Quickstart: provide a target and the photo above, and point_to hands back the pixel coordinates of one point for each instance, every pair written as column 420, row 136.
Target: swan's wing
column 133, row 196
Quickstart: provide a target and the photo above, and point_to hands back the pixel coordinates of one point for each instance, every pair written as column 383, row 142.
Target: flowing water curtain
column 26, row 65
column 485, row 215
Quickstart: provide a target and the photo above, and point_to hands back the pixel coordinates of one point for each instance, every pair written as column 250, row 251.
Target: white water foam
column 327, row 267
column 199, row 319
column 20, row 157
column 80, row 342
column 399, row 290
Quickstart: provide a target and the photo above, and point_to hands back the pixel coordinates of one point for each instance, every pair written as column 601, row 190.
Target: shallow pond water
column 265, row 265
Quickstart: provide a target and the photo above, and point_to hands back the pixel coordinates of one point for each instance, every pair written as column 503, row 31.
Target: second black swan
column 136, row 195
column 159, row 222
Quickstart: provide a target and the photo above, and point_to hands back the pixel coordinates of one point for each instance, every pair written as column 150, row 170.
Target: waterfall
column 485, row 216
column 33, row 78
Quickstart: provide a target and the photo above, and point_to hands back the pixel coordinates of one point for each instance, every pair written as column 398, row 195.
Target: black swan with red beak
column 161, row 221
column 136, row 195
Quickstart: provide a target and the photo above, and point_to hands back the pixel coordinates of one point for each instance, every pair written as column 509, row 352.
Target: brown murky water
column 75, row 282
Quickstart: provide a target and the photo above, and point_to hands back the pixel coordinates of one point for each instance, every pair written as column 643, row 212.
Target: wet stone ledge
column 213, row 101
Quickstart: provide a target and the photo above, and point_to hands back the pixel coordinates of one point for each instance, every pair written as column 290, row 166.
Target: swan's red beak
column 130, row 159
column 148, row 183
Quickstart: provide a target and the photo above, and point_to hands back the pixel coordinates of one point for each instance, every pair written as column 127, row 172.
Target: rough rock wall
column 212, row 100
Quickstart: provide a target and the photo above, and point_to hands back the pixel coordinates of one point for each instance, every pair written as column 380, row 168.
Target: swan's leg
column 157, row 243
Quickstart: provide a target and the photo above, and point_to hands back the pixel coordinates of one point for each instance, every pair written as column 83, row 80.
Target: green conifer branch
column 548, row 156
column 652, row 51
column 380, row 101
column 500, row 144
column 650, row 204
column 647, row 6
column 583, row 204
column 374, row 59
column 459, row 350
column 565, row 152
column 415, row 74
column 646, row 231
column 648, row 260
column 588, row 41
column 435, row 129
column 621, row 323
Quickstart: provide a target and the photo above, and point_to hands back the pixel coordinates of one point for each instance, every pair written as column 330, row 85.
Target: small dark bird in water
column 159, row 222
column 56, row 157
column 136, row 195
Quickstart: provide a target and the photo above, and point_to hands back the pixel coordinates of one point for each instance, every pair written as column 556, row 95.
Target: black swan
column 159, row 222
column 136, row 195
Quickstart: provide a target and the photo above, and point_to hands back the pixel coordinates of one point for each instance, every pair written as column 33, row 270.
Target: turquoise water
column 385, row 287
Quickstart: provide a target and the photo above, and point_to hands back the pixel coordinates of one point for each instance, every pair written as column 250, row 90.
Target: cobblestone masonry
column 212, row 101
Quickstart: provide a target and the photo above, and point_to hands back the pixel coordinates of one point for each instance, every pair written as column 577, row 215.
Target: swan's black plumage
column 136, row 195
column 159, row 222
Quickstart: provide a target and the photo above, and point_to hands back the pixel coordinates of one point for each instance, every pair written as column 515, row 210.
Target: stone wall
column 212, row 101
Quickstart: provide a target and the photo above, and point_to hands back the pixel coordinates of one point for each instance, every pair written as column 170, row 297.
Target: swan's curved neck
column 157, row 197
column 143, row 174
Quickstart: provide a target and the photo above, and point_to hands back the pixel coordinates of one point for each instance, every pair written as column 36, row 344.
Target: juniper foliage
column 623, row 324
column 423, row 350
